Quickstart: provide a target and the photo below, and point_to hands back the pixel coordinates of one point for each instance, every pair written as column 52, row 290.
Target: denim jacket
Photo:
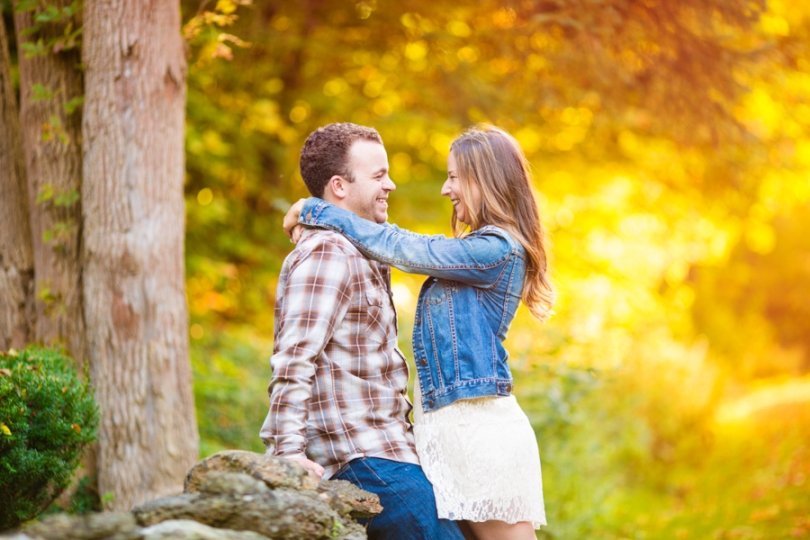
column 464, row 309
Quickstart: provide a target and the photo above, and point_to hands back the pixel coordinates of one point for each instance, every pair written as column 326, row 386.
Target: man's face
column 367, row 196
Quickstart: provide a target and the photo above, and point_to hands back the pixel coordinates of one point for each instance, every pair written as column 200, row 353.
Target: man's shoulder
column 324, row 240
column 321, row 244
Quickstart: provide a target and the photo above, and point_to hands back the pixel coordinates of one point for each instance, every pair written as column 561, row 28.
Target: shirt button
column 430, row 403
column 508, row 387
column 423, row 362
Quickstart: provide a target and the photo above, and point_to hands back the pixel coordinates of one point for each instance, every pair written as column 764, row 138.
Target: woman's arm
column 293, row 229
column 476, row 260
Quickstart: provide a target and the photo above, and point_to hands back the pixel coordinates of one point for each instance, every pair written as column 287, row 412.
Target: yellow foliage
column 459, row 28
column 673, row 183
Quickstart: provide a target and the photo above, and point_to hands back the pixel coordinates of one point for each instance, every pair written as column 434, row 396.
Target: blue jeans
column 409, row 507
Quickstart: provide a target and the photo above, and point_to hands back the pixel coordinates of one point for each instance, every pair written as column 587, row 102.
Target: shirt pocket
column 378, row 315
column 374, row 297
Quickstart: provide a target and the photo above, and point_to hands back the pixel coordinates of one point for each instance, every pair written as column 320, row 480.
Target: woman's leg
column 498, row 530
column 466, row 530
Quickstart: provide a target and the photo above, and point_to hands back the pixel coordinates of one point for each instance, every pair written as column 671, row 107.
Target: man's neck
column 330, row 198
column 340, row 203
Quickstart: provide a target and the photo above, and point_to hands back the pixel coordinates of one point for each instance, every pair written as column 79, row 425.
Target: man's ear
column 337, row 187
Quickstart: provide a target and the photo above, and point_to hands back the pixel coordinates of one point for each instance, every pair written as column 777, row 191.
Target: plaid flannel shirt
column 339, row 384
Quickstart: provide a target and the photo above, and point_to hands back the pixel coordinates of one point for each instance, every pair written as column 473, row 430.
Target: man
column 338, row 397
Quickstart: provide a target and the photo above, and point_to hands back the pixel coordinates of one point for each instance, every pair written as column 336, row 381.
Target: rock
column 181, row 529
column 349, row 531
column 106, row 525
column 349, row 500
column 219, row 483
column 274, row 471
column 166, row 508
column 277, row 473
column 278, row 514
column 232, row 495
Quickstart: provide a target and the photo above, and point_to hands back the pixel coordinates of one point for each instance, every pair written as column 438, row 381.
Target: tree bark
column 16, row 253
column 134, row 220
column 51, row 141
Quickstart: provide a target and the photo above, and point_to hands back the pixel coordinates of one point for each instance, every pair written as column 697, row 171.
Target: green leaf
column 41, row 92
column 51, row 14
column 46, row 193
column 73, row 104
column 60, row 231
column 69, row 41
column 54, row 128
column 72, row 9
column 37, row 48
column 26, row 5
column 67, row 199
column 31, row 30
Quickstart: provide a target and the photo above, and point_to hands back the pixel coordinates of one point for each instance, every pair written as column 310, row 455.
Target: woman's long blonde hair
column 492, row 159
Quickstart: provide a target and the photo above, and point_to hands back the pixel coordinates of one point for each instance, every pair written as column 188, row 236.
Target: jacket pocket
column 436, row 294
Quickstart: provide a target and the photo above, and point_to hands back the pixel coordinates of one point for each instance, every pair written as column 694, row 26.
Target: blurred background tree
column 670, row 146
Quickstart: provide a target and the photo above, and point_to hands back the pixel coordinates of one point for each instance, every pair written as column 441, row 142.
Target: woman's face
column 452, row 189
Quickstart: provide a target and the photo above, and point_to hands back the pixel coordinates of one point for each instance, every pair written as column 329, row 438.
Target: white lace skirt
column 481, row 457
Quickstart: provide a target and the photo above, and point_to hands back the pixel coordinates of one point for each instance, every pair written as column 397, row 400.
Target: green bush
column 47, row 417
column 231, row 373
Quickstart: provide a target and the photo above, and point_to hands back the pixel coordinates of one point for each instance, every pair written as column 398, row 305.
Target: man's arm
column 314, row 300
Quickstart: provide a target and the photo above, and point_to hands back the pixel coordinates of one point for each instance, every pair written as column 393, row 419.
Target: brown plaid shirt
column 338, row 389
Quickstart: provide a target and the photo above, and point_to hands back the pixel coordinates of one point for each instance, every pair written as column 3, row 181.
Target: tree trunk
column 51, row 142
column 16, row 256
column 134, row 220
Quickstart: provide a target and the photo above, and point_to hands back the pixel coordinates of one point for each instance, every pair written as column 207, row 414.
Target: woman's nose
column 446, row 188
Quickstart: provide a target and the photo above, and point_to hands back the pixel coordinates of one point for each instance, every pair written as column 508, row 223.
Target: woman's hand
column 292, row 228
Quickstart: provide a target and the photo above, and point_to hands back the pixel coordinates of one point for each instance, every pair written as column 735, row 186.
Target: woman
column 475, row 444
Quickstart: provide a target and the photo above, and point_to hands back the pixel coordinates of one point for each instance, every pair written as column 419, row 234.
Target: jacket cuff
column 311, row 210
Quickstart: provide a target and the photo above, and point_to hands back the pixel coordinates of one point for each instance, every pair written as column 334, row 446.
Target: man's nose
column 388, row 184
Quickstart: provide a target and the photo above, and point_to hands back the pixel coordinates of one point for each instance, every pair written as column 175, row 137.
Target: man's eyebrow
column 381, row 170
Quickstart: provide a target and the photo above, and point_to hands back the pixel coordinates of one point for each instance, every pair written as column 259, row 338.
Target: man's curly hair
column 326, row 153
